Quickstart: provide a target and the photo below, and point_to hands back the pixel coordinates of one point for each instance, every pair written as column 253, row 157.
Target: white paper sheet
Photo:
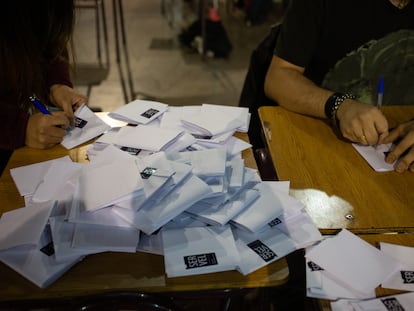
column 199, row 250
column 28, row 177
column 89, row 127
column 403, row 279
column 139, row 111
column 375, row 156
column 353, row 262
column 24, row 226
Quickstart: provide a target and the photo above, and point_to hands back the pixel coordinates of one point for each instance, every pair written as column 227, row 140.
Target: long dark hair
column 33, row 33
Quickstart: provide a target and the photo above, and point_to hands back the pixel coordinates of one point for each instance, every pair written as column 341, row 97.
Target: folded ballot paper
column 210, row 123
column 375, row 156
column 403, row 278
column 139, row 111
column 138, row 137
column 29, row 249
column 199, row 250
column 400, row 302
column 87, row 126
column 345, row 266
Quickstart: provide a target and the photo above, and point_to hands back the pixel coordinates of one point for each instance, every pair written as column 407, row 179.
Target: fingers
column 404, row 153
column 45, row 131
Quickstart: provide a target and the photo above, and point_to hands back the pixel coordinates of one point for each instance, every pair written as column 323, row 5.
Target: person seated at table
column 34, row 36
column 329, row 57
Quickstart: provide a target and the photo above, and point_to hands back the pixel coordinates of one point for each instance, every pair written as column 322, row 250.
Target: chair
column 252, row 95
column 92, row 73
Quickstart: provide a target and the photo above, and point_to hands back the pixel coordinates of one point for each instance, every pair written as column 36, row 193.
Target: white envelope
column 211, row 122
column 401, row 302
column 352, row 262
column 259, row 250
column 101, row 185
column 37, row 263
column 241, row 113
column 62, row 234
column 262, row 211
column 146, row 137
column 402, row 279
column 28, row 177
column 209, row 162
column 105, row 238
column 88, row 126
column 201, row 250
column 59, row 182
column 375, row 156
column 151, row 217
column 320, row 285
column 24, row 226
column 222, row 214
column 139, row 111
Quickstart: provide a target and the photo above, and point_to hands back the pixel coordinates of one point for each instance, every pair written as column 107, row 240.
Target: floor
column 161, row 68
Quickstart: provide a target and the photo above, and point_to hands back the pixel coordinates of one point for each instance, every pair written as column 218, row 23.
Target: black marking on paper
column 48, row 249
column 147, row 172
column 201, row 260
column 392, row 304
column 131, row 150
column 149, row 113
column 275, row 222
column 408, row 277
column 80, row 122
column 201, row 136
column 314, row 267
column 262, row 250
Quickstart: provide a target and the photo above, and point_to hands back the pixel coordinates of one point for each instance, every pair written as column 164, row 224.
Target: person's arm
column 13, row 121
column 62, row 94
column 286, row 84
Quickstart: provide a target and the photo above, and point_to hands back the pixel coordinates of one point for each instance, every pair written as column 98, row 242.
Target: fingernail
column 390, row 158
column 400, row 167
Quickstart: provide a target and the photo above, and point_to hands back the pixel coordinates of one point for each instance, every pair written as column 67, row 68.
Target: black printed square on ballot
column 80, row 123
column 149, row 113
column 200, row 260
column 262, row 250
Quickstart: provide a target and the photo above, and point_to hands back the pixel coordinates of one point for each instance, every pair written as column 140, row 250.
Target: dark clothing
column 13, row 118
column 317, row 33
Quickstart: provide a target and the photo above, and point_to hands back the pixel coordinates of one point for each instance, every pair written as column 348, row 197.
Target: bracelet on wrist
column 333, row 102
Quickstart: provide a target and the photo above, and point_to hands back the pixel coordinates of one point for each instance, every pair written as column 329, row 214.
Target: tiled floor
column 161, row 69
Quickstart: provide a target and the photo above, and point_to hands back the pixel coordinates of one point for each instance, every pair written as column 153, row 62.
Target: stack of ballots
column 346, row 269
column 175, row 184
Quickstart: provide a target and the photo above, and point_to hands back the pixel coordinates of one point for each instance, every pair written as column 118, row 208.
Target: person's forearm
column 292, row 90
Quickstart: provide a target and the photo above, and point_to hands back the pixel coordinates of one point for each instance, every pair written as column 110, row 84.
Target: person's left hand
column 67, row 99
column 406, row 145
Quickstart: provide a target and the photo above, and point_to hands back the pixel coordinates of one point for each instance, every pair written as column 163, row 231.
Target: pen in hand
column 380, row 92
column 36, row 102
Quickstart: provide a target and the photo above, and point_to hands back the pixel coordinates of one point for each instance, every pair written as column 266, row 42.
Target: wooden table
column 107, row 272
column 337, row 186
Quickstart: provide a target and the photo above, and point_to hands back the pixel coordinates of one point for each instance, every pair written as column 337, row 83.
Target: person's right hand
column 45, row 131
column 361, row 123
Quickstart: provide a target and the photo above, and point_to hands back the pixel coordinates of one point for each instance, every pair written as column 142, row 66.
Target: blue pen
column 380, row 92
column 36, row 102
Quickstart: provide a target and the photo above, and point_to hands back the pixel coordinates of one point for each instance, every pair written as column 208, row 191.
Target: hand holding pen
column 45, row 129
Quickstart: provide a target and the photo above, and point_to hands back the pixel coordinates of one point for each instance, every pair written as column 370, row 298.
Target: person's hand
column 361, row 123
column 67, row 99
column 44, row 131
column 404, row 148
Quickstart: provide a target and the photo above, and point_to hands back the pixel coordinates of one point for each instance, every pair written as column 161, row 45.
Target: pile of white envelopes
column 175, row 186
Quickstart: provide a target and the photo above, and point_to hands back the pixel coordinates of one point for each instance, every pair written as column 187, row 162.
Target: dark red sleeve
column 58, row 73
column 13, row 122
